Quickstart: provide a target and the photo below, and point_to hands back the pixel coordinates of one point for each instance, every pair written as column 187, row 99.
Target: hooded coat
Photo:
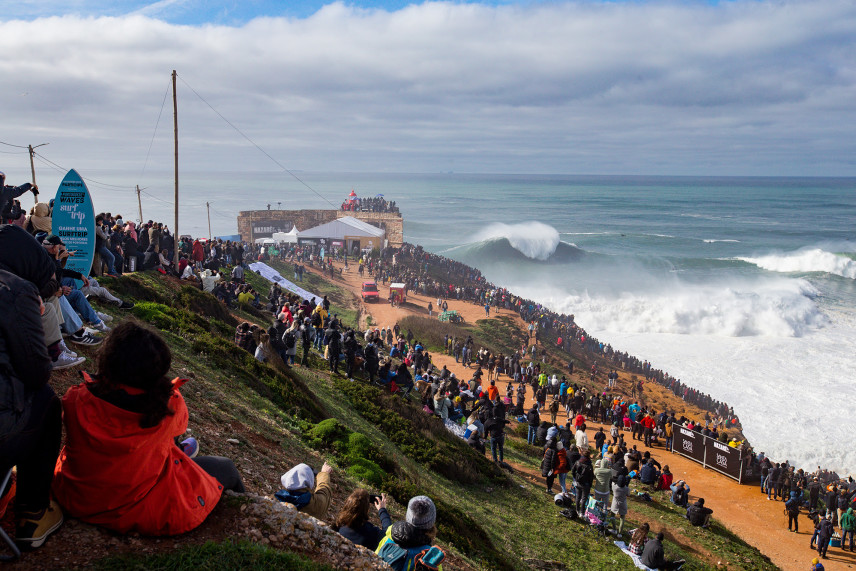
column 116, row 474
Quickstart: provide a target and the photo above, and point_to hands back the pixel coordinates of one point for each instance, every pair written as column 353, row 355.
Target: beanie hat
column 552, row 432
column 421, row 512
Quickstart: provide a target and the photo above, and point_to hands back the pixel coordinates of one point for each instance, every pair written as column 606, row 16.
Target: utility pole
column 140, row 204
column 208, row 206
column 175, row 234
column 32, row 164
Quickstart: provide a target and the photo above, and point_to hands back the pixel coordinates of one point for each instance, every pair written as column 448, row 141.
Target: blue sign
column 74, row 222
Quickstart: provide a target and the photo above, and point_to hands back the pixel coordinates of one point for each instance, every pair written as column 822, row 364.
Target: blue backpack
column 422, row 558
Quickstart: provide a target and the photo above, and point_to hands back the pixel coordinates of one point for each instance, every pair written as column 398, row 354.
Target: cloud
column 738, row 88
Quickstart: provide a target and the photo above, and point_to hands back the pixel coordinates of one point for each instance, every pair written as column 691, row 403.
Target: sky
column 739, row 87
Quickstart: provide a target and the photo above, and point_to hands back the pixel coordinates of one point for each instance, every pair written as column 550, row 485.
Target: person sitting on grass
column 353, row 519
column 120, row 467
column 665, row 481
column 638, row 539
column 680, row 493
column 654, row 557
column 308, row 493
column 699, row 515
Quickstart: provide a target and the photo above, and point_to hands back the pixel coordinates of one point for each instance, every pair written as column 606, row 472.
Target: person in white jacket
column 582, row 440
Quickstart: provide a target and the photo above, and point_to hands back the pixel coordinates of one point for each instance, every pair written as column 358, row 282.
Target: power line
column 253, row 143
column 163, row 103
column 92, row 180
column 17, row 146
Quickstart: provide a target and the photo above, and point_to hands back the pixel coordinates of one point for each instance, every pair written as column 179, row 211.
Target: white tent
column 286, row 237
column 346, row 226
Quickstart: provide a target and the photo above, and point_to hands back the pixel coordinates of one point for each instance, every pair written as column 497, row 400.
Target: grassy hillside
column 487, row 518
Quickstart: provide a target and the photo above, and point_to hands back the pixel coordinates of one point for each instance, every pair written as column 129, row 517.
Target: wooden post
column 208, row 207
column 32, row 166
column 140, row 204
column 175, row 234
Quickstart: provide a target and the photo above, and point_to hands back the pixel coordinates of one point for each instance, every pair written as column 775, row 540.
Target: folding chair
column 3, row 535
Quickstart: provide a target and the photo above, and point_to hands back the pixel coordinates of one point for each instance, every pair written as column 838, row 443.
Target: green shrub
column 327, row 433
column 359, row 446
column 366, row 470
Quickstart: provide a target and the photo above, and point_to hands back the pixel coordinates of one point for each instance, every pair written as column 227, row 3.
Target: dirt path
column 741, row 508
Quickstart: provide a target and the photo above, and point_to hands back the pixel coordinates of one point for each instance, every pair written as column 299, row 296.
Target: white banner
column 272, row 275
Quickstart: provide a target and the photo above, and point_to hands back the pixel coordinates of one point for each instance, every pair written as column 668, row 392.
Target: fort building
column 255, row 224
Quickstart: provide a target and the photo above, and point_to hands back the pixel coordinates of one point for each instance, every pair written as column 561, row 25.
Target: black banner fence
column 710, row 453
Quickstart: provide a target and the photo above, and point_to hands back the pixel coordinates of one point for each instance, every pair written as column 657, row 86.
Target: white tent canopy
column 286, row 237
column 342, row 227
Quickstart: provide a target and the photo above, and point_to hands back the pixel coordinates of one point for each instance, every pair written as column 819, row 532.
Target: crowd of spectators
column 376, row 204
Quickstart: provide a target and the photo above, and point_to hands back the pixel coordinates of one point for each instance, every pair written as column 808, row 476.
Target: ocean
column 744, row 288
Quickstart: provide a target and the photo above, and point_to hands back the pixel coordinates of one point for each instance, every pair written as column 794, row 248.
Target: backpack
column 423, row 558
column 316, row 319
column 290, row 339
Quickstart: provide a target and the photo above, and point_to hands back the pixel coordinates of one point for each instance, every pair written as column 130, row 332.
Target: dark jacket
column 648, row 474
column 334, row 340
column 583, row 472
column 696, row 514
column 368, row 535
column 25, row 366
column 532, row 417
column 10, row 193
column 22, row 255
column 548, row 463
column 653, row 556
column 825, row 530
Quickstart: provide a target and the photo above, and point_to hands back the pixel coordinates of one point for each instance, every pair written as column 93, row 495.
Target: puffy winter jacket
column 116, row 474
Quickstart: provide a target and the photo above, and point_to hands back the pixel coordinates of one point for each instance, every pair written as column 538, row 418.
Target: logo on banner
column 74, row 222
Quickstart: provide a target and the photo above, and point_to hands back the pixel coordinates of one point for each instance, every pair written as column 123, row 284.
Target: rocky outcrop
column 270, row 522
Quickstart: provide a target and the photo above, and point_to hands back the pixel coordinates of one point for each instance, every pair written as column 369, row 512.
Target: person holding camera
column 10, row 209
column 353, row 519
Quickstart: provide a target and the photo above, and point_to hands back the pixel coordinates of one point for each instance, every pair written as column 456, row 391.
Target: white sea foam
column 764, row 346
column 805, row 261
column 713, row 241
column 775, row 308
column 535, row 240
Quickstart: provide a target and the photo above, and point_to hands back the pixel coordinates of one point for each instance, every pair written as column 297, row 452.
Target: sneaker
column 190, row 447
column 64, row 361
column 34, row 528
column 126, row 305
column 101, row 326
column 86, row 338
column 65, row 348
column 104, row 317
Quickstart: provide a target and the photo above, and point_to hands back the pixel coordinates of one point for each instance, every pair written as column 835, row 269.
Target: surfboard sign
column 74, row 222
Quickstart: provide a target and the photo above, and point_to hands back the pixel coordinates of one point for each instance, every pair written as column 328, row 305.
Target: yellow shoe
column 34, row 528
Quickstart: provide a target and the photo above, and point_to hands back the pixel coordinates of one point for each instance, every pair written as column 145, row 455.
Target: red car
column 370, row 292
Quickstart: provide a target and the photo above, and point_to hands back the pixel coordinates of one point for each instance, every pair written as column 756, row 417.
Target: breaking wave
column 779, row 308
column 806, row 261
column 500, row 242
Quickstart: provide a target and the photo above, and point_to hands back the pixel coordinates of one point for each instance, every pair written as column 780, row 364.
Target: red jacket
column 198, row 252
column 113, row 473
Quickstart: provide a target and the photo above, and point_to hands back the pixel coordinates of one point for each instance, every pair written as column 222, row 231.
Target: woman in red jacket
column 120, row 467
